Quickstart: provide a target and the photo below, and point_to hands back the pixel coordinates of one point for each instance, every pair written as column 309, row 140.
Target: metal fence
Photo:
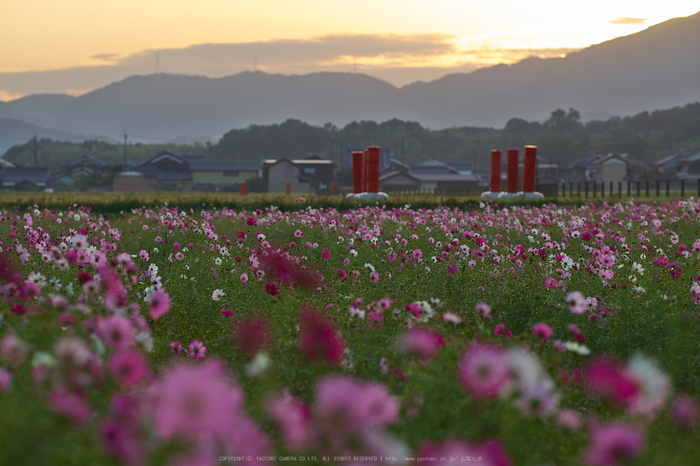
column 636, row 189
column 583, row 190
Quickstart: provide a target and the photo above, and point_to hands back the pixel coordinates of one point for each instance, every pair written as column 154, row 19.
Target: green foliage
column 646, row 136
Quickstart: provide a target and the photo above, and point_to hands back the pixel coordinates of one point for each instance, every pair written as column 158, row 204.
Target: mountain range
column 652, row 69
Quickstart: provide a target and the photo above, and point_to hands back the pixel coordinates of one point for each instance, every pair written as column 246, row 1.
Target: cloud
column 109, row 57
column 399, row 59
column 628, row 21
column 286, row 54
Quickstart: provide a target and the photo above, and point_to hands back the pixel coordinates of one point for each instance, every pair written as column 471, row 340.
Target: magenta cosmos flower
column 252, row 335
column 542, row 330
column 319, row 338
column 193, row 400
column 197, row 350
column 613, row 444
column 484, row 371
column 128, row 366
column 160, row 303
column 345, row 406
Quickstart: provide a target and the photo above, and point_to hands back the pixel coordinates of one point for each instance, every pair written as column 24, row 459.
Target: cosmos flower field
column 491, row 334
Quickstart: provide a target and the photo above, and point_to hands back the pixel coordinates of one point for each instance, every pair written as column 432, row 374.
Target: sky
column 75, row 46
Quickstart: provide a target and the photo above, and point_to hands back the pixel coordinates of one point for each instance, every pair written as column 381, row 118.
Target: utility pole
column 402, row 156
column 125, row 149
column 34, row 149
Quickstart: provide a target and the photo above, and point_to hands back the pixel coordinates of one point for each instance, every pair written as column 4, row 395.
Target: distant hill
column 14, row 132
column 656, row 68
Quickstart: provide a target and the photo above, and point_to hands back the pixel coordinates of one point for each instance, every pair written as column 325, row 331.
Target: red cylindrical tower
column 358, row 172
column 512, row 168
column 244, row 189
column 529, row 169
column 372, row 171
column 495, row 180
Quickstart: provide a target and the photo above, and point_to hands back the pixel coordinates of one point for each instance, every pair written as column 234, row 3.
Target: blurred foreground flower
column 319, row 338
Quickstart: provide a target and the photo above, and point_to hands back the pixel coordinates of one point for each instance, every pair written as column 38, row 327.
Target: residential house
column 311, row 175
column 684, row 164
column 85, row 172
column 430, row 175
column 209, row 175
column 606, row 168
column 24, row 178
column 166, row 171
column 463, row 167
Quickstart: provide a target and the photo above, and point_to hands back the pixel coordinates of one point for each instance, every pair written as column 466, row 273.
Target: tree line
column 646, row 136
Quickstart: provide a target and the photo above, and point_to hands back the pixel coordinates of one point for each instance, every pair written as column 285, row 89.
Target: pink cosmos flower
column 417, row 254
column 70, row 404
column 574, row 330
column 244, row 277
column 375, row 319
column 416, row 310
column 612, row 444
column 121, row 440
column 293, row 418
column 345, row 405
column 422, row 342
column 384, row 304
column 501, row 330
column 684, row 410
column 116, row 331
column 451, row 317
column 484, row 310
column 384, row 366
column 128, row 366
column 159, row 301
column 483, row 370
column 285, row 270
column 197, row 350
column 542, row 330
column 342, row 274
column 325, row 253
column 319, row 338
column 551, row 283
column 271, row 289
column 5, row 380
column 175, row 347
column 577, row 302
column 143, row 254
column 15, row 350
column 252, row 335
column 196, row 400
column 374, row 276
column 226, row 313
column 569, row 419
column 609, row 379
